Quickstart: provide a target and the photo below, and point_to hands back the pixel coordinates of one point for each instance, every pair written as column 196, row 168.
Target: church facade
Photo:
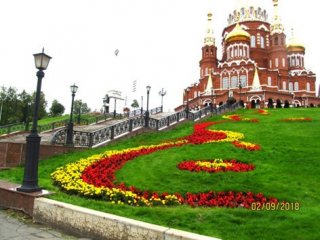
column 259, row 65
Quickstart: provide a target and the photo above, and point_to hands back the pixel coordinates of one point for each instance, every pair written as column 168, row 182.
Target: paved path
column 17, row 226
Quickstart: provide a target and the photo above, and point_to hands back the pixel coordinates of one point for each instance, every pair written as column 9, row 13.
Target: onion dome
column 294, row 44
column 238, row 34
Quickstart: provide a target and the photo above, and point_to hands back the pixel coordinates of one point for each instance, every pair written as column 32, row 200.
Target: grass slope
column 287, row 167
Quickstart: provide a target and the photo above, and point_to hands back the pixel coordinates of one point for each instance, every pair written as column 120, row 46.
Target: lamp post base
column 30, row 179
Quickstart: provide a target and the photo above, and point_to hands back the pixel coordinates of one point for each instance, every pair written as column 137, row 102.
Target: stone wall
column 85, row 222
column 13, row 154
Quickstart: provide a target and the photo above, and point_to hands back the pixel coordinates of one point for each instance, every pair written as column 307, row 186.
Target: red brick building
column 259, row 65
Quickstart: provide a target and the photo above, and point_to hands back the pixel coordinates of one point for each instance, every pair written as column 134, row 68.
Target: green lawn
column 286, row 168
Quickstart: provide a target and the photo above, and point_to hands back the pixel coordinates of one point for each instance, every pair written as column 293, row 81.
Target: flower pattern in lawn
column 216, row 165
column 94, row 176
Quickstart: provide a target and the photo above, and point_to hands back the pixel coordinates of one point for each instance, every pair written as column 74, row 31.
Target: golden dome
column 294, row 44
column 237, row 34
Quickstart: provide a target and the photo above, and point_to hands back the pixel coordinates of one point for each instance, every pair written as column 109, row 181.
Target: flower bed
column 94, row 177
column 263, row 112
column 236, row 117
column 246, row 145
column 216, row 165
column 297, row 119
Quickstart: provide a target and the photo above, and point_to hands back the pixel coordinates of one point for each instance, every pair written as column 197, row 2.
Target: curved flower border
column 94, row 176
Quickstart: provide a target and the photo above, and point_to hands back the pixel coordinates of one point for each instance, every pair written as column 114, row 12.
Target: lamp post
column 115, row 107
column 211, row 100
column 79, row 112
column 147, row 111
column 240, row 88
column 30, row 178
column 69, row 141
column 106, row 101
column 141, row 105
column 187, row 110
column 162, row 93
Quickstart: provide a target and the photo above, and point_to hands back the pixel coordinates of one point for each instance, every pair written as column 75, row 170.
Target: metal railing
column 97, row 137
column 108, row 133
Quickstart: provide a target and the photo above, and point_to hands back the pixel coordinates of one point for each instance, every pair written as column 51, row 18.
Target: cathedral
column 259, row 66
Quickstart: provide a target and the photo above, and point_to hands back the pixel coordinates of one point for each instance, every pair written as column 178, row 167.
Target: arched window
column 225, row 83
column 269, row 81
column 308, row 87
column 262, row 42
column 276, row 62
column 253, row 41
column 234, row 82
column 298, row 61
column 270, row 63
column 290, row 86
column 276, row 41
column 283, row 62
column 284, row 85
column 296, row 86
column 243, row 80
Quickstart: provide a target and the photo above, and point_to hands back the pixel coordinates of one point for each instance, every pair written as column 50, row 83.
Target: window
column 276, row 41
column 253, row 41
column 269, row 81
column 283, row 62
column 234, row 82
column 243, row 80
column 290, row 86
column 308, row 87
column 276, row 62
column 270, row 63
column 284, row 85
column 262, row 42
column 225, row 83
column 296, row 86
column 298, row 61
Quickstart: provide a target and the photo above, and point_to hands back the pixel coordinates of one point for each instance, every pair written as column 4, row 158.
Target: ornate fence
column 97, row 137
column 108, row 133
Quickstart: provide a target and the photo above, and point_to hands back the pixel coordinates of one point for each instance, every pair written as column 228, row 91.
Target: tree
column 25, row 101
column 56, row 109
column 135, row 103
column 9, row 106
column 80, row 105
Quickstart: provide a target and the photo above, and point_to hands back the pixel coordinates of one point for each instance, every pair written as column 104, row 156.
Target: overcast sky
column 159, row 44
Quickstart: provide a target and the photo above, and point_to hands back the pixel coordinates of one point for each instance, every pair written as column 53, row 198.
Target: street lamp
column 162, row 93
column 30, row 178
column 212, row 100
column 79, row 112
column 115, row 107
column 147, row 111
column 187, row 110
column 69, row 141
column 141, row 105
column 240, row 88
column 106, row 101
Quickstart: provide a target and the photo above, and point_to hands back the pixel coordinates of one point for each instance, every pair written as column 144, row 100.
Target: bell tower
column 278, row 51
column 209, row 60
